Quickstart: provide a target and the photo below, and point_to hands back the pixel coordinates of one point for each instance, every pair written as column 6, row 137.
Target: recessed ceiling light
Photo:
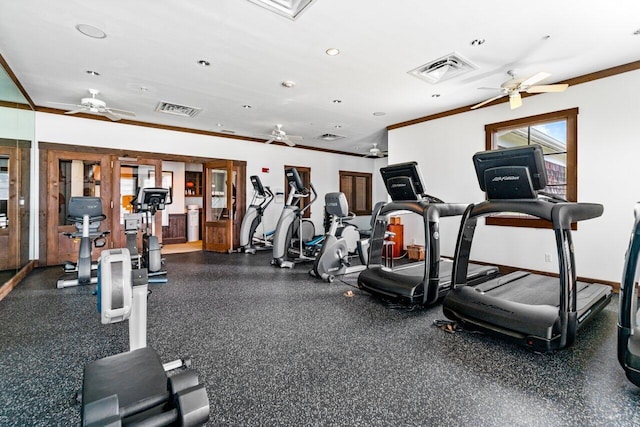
column 247, row 106
column 204, row 62
column 435, row 95
column 338, row 126
column 332, row 51
column 91, row 31
column 379, row 113
column 219, row 125
column 93, row 73
column 637, row 32
column 337, row 101
column 477, row 42
column 288, row 83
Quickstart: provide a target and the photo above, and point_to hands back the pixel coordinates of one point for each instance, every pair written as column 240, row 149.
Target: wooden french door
column 70, row 174
column 224, row 204
column 9, row 212
column 130, row 174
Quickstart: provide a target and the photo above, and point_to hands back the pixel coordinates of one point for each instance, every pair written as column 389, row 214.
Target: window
column 557, row 134
column 356, row 186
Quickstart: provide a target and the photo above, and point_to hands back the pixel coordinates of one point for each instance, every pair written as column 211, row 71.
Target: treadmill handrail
column 560, row 214
column 431, row 213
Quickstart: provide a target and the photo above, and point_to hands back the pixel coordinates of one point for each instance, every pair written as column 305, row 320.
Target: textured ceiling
column 151, row 53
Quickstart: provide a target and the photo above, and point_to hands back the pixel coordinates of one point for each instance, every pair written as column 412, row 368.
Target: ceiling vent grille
column 330, row 137
column 443, row 68
column 178, row 110
column 288, row 8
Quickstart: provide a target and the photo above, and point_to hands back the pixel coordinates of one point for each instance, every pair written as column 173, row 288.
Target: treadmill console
column 403, row 181
column 511, row 173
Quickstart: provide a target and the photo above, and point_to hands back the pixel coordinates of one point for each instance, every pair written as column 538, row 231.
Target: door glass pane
column 4, row 191
column 218, row 195
column 132, row 178
column 76, row 178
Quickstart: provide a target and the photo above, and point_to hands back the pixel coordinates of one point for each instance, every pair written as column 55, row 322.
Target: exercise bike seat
column 137, row 378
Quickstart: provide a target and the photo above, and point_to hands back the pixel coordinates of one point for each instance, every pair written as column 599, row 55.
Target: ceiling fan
column 513, row 87
column 94, row 105
column 278, row 135
column 374, row 151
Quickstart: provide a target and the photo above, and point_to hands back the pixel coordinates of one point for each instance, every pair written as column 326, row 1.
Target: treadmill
column 541, row 312
column 417, row 283
column 628, row 332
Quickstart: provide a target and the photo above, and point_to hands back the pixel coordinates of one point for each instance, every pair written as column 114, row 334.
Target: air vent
column 178, row 110
column 288, row 8
column 329, row 137
column 443, row 68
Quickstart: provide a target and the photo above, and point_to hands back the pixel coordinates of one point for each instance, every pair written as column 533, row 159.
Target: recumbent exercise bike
column 86, row 214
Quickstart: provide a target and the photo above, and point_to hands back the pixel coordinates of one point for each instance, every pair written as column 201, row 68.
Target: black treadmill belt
column 407, row 280
column 534, row 289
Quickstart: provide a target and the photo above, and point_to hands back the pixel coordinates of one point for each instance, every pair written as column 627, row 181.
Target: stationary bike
column 249, row 242
column 86, row 214
column 340, row 242
column 145, row 205
column 133, row 387
column 294, row 239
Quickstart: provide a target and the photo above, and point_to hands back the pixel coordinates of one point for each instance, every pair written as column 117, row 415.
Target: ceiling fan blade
column 65, row 103
column 534, row 79
column 287, row 141
column 487, row 101
column 548, row 88
column 121, row 112
column 515, row 100
column 110, row 115
column 269, row 141
column 78, row 110
column 294, row 137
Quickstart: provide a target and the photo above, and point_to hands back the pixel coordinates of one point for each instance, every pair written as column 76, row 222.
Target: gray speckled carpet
column 277, row 347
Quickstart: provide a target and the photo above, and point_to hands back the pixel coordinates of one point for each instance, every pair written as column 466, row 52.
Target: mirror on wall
column 17, row 129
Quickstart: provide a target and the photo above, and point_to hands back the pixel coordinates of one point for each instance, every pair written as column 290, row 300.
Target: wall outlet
column 547, row 257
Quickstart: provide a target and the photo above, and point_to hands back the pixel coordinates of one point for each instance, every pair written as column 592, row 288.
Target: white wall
column 608, row 150
column 324, row 166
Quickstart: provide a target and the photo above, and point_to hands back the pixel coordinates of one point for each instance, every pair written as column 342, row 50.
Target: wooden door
column 130, row 174
column 224, row 204
column 9, row 212
column 71, row 174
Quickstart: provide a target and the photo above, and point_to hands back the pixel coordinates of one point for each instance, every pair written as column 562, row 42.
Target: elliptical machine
column 133, row 387
column 333, row 258
column 86, row 214
column 147, row 202
column 249, row 243
column 294, row 239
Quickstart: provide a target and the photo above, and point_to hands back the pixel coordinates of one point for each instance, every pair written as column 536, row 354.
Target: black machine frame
column 628, row 332
column 542, row 327
column 406, row 187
